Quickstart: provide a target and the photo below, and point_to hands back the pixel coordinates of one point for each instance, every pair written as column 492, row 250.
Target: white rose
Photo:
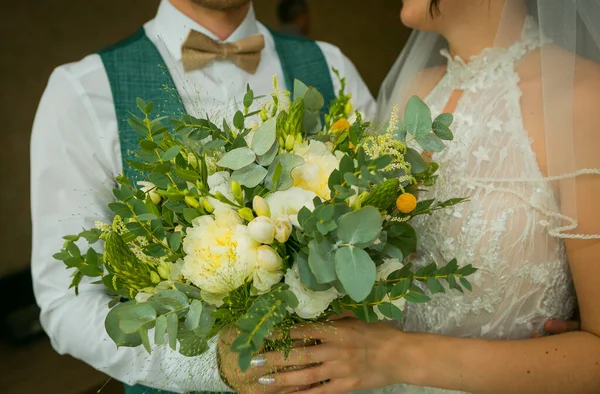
column 150, row 189
column 383, row 271
column 269, row 259
column 318, row 165
column 263, row 280
column 388, row 266
column 287, row 203
column 144, row 294
column 262, row 230
column 283, row 228
column 311, row 304
column 220, row 253
column 220, row 182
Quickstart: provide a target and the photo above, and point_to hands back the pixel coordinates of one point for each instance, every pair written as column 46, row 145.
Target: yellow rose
column 318, row 165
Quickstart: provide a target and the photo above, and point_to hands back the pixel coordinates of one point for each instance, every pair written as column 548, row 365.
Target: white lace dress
column 523, row 277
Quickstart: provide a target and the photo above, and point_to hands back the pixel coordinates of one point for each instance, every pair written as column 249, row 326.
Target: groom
column 81, row 140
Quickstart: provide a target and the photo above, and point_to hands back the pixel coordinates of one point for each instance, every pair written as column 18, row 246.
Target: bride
column 520, row 79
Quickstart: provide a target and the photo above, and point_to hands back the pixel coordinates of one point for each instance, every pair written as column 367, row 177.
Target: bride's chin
column 415, row 16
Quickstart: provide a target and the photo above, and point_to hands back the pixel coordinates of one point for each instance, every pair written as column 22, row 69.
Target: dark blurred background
column 37, row 36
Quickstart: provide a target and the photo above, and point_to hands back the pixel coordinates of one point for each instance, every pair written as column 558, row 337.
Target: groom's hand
column 556, row 326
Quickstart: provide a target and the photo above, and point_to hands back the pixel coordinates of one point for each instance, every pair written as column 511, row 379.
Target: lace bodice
column 523, row 277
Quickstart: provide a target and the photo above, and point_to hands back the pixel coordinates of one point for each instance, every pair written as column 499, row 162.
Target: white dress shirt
column 75, row 155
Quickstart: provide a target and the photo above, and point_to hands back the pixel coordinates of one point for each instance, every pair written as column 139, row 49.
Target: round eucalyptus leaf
column 356, row 271
column 237, row 158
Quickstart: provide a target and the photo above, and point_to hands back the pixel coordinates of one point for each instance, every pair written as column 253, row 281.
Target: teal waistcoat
column 135, row 69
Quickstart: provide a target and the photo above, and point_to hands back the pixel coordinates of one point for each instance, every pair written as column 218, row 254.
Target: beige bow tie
column 198, row 50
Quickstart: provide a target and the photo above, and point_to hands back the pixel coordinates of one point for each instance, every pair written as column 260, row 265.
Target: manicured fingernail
column 266, row 380
column 257, row 361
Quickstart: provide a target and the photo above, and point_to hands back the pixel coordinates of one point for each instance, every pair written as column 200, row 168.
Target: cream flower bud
column 262, row 230
column 207, row 205
column 283, row 229
column 164, row 270
column 150, row 189
column 246, row 214
column 290, row 141
column 261, row 206
column 269, row 259
column 238, row 194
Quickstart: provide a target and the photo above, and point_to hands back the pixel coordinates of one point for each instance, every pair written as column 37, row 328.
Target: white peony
column 311, row 304
column 318, row 165
column 220, row 253
column 287, row 203
column 383, row 271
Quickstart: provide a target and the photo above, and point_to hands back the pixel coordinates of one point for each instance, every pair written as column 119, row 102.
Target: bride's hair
column 434, row 7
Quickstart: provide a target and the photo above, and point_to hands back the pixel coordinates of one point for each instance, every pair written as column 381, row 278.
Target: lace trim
column 467, row 75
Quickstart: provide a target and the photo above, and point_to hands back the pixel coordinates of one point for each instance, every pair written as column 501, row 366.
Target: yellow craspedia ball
column 340, row 126
column 406, row 203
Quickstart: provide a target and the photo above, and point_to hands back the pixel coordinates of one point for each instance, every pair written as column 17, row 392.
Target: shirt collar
column 171, row 26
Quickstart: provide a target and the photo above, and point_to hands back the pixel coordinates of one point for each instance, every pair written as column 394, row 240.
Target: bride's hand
column 352, row 356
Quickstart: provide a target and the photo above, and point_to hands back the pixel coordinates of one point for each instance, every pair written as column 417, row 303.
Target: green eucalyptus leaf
column 148, row 145
column 445, row 119
column 300, row 89
column 359, row 227
column 237, row 158
column 264, row 138
column 238, row 120
column 288, row 163
column 466, row 284
column 146, row 216
column 190, row 291
column 138, row 126
column 430, row 142
column 390, row 311
column 175, row 240
column 192, row 319
column 321, row 260
column 171, row 153
column 168, row 301
column 442, row 131
column 417, row 117
column 266, row 159
column 250, row 176
column 417, row 163
column 306, row 276
column 172, row 329
column 160, row 180
column 416, row 297
column 313, row 100
column 356, row 271
column 141, row 104
column 120, row 209
column 248, row 98
column 160, row 330
column 133, row 317
column 111, row 324
column 434, row 286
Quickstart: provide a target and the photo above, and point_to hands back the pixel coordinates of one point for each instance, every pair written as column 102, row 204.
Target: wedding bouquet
column 265, row 225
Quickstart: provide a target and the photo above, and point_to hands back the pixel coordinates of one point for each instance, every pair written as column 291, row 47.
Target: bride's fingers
column 297, row 357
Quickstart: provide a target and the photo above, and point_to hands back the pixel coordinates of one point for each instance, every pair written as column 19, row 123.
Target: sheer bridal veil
column 564, row 70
